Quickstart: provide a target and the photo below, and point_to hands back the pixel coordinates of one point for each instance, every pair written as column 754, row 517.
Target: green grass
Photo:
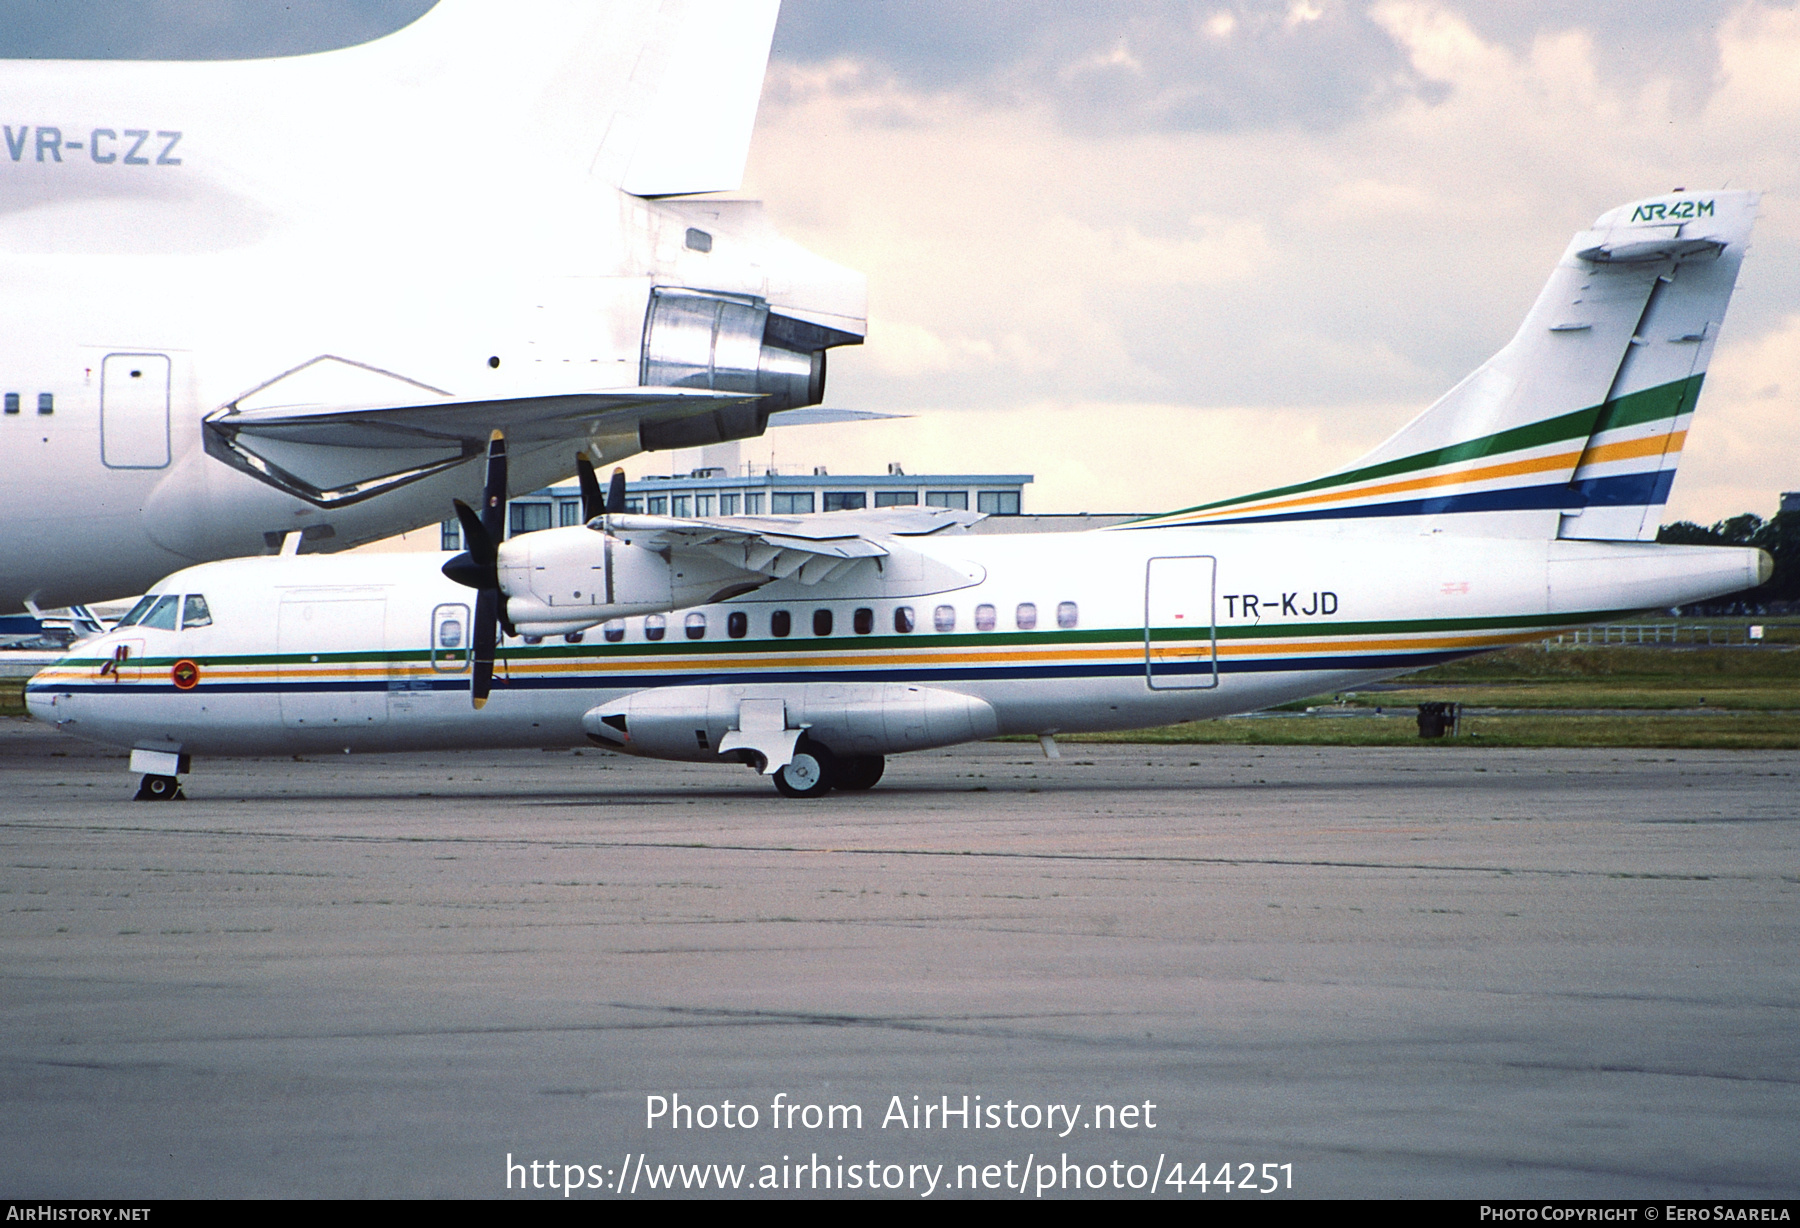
column 12, row 697
column 1726, row 731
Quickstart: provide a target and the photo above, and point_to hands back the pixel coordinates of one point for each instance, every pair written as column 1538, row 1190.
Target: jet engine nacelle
column 697, row 723
column 561, row 580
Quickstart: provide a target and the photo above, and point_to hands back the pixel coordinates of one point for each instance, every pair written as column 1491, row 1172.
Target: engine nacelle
column 561, row 580
column 692, row 722
column 729, row 343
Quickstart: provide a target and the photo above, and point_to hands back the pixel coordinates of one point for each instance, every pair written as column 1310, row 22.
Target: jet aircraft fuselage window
column 162, row 614
column 654, row 626
column 984, row 617
column 863, row 620
column 195, row 613
column 845, row 500
column 614, row 631
column 737, row 624
column 695, row 626
column 1067, row 615
column 137, row 611
column 903, row 619
column 821, row 622
column 944, row 618
column 1026, row 615
column 780, row 623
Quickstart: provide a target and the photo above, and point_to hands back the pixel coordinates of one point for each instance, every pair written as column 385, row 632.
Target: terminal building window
column 728, row 505
column 753, row 503
column 958, row 499
column 679, row 504
column 896, row 498
column 452, row 535
column 845, row 500
column 790, row 502
column 998, row 502
column 530, row 517
column 659, row 505
column 568, row 512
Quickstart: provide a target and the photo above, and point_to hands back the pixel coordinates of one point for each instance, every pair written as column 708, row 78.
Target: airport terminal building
column 717, row 492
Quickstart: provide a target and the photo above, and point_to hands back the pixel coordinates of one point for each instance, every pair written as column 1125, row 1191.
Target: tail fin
column 1574, row 429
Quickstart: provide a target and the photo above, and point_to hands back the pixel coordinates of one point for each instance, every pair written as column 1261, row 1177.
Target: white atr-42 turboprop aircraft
column 255, row 298
column 810, row 647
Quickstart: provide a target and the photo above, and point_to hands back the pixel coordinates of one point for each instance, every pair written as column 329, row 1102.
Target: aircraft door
column 450, row 639
column 134, row 411
column 333, row 660
column 1181, row 641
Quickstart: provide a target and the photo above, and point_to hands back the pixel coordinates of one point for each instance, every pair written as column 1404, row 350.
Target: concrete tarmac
column 1441, row 971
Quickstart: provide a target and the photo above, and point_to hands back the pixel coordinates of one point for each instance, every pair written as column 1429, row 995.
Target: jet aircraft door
column 1181, row 643
column 134, row 411
column 333, row 659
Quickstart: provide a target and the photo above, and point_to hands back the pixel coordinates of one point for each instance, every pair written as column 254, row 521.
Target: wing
column 811, row 549
column 336, row 432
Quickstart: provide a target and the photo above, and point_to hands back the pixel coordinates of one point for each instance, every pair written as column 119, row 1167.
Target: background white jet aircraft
column 251, row 298
column 1524, row 501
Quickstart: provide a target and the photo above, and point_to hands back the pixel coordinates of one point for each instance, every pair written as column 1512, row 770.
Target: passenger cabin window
column 614, row 631
column 195, row 613
column 162, row 614
column 1026, row 616
column 655, row 626
column 46, row 402
column 1067, row 615
column 903, row 619
column 821, row 622
column 737, row 624
column 863, row 621
column 695, row 626
column 944, row 618
column 780, row 623
column 984, row 617
column 12, row 402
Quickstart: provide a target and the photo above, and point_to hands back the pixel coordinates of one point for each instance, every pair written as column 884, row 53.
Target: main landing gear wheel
column 811, row 773
column 159, row 789
column 859, row 771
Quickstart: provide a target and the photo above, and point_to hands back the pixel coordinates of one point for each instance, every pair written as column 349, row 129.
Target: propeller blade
column 482, row 680
column 493, row 491
column 592, row 502
column 615, row 493
column 481, row 545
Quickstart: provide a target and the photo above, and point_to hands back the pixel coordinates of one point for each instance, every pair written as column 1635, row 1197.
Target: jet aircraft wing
column 332, row 455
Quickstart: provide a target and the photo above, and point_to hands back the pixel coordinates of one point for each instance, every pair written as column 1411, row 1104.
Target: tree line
column 1779, row 535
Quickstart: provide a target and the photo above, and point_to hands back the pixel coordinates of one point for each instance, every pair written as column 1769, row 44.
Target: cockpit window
column 162, row 614
column 196, row 614
column 137, row 611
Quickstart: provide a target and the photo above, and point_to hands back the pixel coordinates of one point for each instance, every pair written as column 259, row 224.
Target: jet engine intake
column 729, row 343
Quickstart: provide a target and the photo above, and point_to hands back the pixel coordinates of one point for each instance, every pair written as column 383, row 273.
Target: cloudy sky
column 1158, row 252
